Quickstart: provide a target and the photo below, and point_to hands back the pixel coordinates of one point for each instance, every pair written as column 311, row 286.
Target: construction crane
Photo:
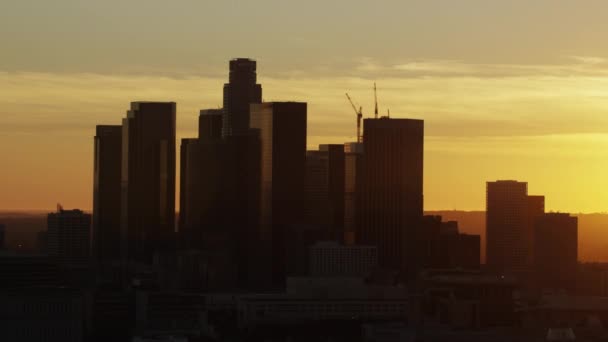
column 375, row 102
column 359, row 113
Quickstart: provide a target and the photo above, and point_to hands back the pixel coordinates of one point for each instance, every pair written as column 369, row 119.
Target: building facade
column 240, row 91
column 391, row 196
column 556, row 250
column 107, row 193
column 148, row 180
column 69, row 237
column 282, row 131
column 509, row 215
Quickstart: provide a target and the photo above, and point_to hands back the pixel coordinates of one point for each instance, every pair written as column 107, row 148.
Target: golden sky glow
column 509, row 90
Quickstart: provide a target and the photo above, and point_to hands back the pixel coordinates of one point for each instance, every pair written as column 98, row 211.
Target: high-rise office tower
column 220, row 203
column 536, row 208
column 510, row 213
column 353, row 162
column 240, row 91
column 69, row 237
column 107, row 193
column 325, row 189
column 282, row 129
column 391, row 189
column 556, row 250
column 148, row 179
column 210, row 124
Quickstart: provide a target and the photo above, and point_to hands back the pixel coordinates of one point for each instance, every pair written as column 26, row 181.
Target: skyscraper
column 210, row 124
column 282, row 129
column 220, row 204
column 325, row 189
column 148, row 179
column 556, row 250
column 69, row 237
column 240, row 91
column 509, row 233
column 107, row 193
column 391, row 188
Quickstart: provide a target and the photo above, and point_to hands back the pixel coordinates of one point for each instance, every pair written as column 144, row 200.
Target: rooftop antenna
column 388, row 113
column 375, row 102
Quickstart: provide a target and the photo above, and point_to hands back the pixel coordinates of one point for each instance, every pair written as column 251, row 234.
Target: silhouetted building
column 219, row 208
column 69, row 237
column 299, row 239
column 325, row 189
column 509, row 214
column 468, row 300
column 328, row 258
column 391, row 189
column 353, row 162
column 282, row 127
column 148, row 179
column 240, row 91
column 42, row 242
column 556, row 247
column 210, row 124
column 107, row 194
column 42, row 315
column 2, row 236
column 536, row 208
column 24, row 271
column 440, row 245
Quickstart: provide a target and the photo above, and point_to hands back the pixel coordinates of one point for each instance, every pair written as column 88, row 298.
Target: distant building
column 42, row 315
column 240, row 91
column 2, row 236
column 353, row 163
column 282, row 129
column 592, row 279
column 148, row 179
column 69, row 237
column 329, row 258
column 219, row 206
column 210, row 124
column 440, row 245
column 391, row 196
column 325, row 189
column 18, row 271
column 556, row 250
column 107, row 194
column 510, row 214
column 322, row 299
column 468, row 300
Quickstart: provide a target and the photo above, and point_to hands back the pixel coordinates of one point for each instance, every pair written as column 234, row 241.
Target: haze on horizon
column 507, row 89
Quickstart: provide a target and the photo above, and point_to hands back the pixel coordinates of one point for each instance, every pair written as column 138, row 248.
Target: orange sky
column 508, row 90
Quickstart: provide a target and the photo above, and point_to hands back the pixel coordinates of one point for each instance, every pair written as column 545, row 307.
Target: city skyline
column 525, row 103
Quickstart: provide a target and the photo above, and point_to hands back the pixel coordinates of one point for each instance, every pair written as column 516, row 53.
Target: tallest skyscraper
column 240, row 91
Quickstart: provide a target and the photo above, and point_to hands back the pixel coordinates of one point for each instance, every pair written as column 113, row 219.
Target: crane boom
column 359, row 117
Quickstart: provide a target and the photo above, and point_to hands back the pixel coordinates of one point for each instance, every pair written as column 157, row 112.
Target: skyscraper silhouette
column 391, row 190
column 240, row 91
column 148, row 179
column 556, row 250
column 353, row 163
column 69, row 237
column 325, row 187
column 510, row 214
column 107, row 193
column 210, row 123
column 282, row 127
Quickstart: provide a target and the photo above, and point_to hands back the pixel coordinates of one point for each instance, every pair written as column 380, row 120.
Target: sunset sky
column 508, row 89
